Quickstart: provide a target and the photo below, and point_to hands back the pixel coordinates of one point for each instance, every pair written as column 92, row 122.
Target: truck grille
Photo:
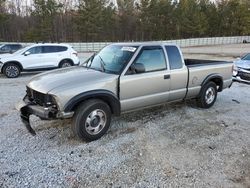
column 244, row 76
column 36, row 97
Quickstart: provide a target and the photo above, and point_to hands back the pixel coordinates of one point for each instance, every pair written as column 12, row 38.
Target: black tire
column 208, row 95
column 65, row 63
column 11, row 70
column 88, row 126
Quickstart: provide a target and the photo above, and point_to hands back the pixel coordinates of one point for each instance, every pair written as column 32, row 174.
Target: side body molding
column 107, row 96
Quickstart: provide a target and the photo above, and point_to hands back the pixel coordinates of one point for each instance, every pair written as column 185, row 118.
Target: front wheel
column 91, row 120
column 208, row 95
column 11, row 70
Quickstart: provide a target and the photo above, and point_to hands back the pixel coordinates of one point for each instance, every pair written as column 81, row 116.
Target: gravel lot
column 176, row 145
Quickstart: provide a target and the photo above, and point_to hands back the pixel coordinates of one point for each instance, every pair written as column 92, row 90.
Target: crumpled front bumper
column 27, row 108
column 238, row 79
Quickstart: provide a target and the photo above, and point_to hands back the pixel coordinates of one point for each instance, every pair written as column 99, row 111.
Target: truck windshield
column 112, row 58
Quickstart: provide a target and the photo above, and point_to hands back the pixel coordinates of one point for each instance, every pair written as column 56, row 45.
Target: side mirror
column 138, row 68
column 238, row 58
column 27, row 53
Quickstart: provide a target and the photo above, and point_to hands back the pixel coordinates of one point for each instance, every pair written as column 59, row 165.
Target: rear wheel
column 11, row 70
column 208, row 95
column 91, row 120
column 65, row 63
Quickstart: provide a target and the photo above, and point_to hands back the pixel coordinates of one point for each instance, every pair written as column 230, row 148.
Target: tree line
column 121, row 20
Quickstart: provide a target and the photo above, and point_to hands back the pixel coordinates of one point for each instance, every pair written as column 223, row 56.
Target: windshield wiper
column 102, row 64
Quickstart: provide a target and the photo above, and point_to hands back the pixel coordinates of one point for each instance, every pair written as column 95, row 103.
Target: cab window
column 152, row 58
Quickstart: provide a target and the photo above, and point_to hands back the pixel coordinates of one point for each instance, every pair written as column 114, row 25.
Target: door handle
column 166, row 77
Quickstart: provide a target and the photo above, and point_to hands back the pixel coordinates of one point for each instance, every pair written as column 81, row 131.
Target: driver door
column 139, row 90
column 33, row 60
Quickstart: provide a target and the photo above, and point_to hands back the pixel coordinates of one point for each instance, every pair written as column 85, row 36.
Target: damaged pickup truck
column 120, row 78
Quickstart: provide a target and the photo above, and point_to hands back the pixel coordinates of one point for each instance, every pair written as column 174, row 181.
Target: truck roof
column 144, row 43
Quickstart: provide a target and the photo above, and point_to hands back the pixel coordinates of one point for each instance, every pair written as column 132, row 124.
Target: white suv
column 38, row 57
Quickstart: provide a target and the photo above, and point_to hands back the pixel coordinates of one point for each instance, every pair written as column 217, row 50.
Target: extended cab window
column 174, row 57
column 152, row 58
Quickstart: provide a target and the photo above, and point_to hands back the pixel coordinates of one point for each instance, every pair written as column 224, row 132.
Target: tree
column 234, row 17
column 3, row 20
column 44, row 13
column 191, row 20
column 92, row 18
column 121, row 20
column 126, row 20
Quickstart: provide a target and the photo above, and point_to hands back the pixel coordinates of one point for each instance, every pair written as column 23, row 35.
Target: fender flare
column 216, row 78
column 16, row 62
column 105, row 95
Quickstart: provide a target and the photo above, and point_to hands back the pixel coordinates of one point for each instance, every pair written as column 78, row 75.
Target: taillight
column 75, row 53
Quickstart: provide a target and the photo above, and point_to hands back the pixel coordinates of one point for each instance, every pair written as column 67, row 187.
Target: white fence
column 96, row 46
column 210, row 41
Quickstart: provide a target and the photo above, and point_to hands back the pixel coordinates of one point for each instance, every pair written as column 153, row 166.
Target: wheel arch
column 67, row 59
column 14, row 62
column 104, row 95
column 216, row 78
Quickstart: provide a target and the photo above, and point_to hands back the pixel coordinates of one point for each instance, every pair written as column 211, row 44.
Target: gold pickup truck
column 120, row 78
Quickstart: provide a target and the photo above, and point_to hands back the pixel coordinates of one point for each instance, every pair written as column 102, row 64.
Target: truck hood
column 51, row 80
column 244, row 64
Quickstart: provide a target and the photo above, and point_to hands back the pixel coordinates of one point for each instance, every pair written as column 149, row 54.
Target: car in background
column 241, row 70
column 38, row 57
column 9, row 48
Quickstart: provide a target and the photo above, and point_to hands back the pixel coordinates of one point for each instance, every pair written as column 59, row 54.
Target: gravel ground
column 177, row 145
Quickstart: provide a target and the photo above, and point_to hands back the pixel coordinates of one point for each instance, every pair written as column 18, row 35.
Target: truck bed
column 198, row 70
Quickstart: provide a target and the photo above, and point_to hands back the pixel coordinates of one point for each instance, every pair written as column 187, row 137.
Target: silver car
column 241, row 72
column 122, row 77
